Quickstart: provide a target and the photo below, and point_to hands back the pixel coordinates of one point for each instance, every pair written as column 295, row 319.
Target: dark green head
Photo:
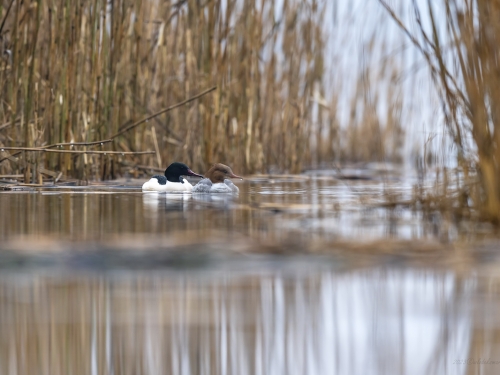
column 176, row 170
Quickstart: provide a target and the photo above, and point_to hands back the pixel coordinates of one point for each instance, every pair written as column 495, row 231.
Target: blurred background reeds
column 458, row 40
column 82, row 73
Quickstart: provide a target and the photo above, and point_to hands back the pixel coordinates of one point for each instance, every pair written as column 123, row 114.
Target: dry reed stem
column 468, row 77
column 31, row 149
column 96, row 143
column 71, row 144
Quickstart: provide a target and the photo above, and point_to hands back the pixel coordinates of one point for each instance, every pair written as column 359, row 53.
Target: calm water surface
column 272, row 209
column 108, row 280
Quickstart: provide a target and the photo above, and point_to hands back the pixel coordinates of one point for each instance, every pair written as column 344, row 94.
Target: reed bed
column 83, row 73
column 460, row 46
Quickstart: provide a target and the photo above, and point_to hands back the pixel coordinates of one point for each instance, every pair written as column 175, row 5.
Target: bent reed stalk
column 34, row 149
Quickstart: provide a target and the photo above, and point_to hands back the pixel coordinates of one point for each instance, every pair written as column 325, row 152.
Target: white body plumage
column 155, row 184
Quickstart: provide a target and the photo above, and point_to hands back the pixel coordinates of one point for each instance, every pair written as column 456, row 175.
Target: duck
column 217, row 181
column 172, row 181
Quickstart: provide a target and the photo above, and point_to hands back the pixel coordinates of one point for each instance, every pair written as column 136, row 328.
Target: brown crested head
column 219, row 172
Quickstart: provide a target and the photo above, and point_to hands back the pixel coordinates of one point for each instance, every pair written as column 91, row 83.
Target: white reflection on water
column 158, row 202
column 222, row 322
column 155, row 201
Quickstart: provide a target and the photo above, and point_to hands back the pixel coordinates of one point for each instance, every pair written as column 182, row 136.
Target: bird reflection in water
column 218, row 201
column 156, row 201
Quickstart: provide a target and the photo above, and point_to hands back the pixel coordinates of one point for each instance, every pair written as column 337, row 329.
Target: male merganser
column 217, row 181
column 172, row 181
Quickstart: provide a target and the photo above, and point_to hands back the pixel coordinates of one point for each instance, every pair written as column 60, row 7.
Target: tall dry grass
column 80, row 73
column 464, row 60
column 83, row 73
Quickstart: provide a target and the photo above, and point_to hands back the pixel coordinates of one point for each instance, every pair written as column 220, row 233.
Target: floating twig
column 30, row 185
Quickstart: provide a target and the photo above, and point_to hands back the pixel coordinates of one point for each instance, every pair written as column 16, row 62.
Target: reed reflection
column 239, row 322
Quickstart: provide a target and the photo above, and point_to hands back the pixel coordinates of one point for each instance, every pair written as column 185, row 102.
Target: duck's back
column 231, row 186
column 204, row 186
column 155, row 183
column 220, row 187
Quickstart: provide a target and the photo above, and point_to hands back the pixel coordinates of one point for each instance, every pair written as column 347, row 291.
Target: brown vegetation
column 84, row 73
column 464, row 61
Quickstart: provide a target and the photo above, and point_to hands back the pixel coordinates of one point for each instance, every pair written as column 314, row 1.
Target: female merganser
column 217, row 181
column 172, row 181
